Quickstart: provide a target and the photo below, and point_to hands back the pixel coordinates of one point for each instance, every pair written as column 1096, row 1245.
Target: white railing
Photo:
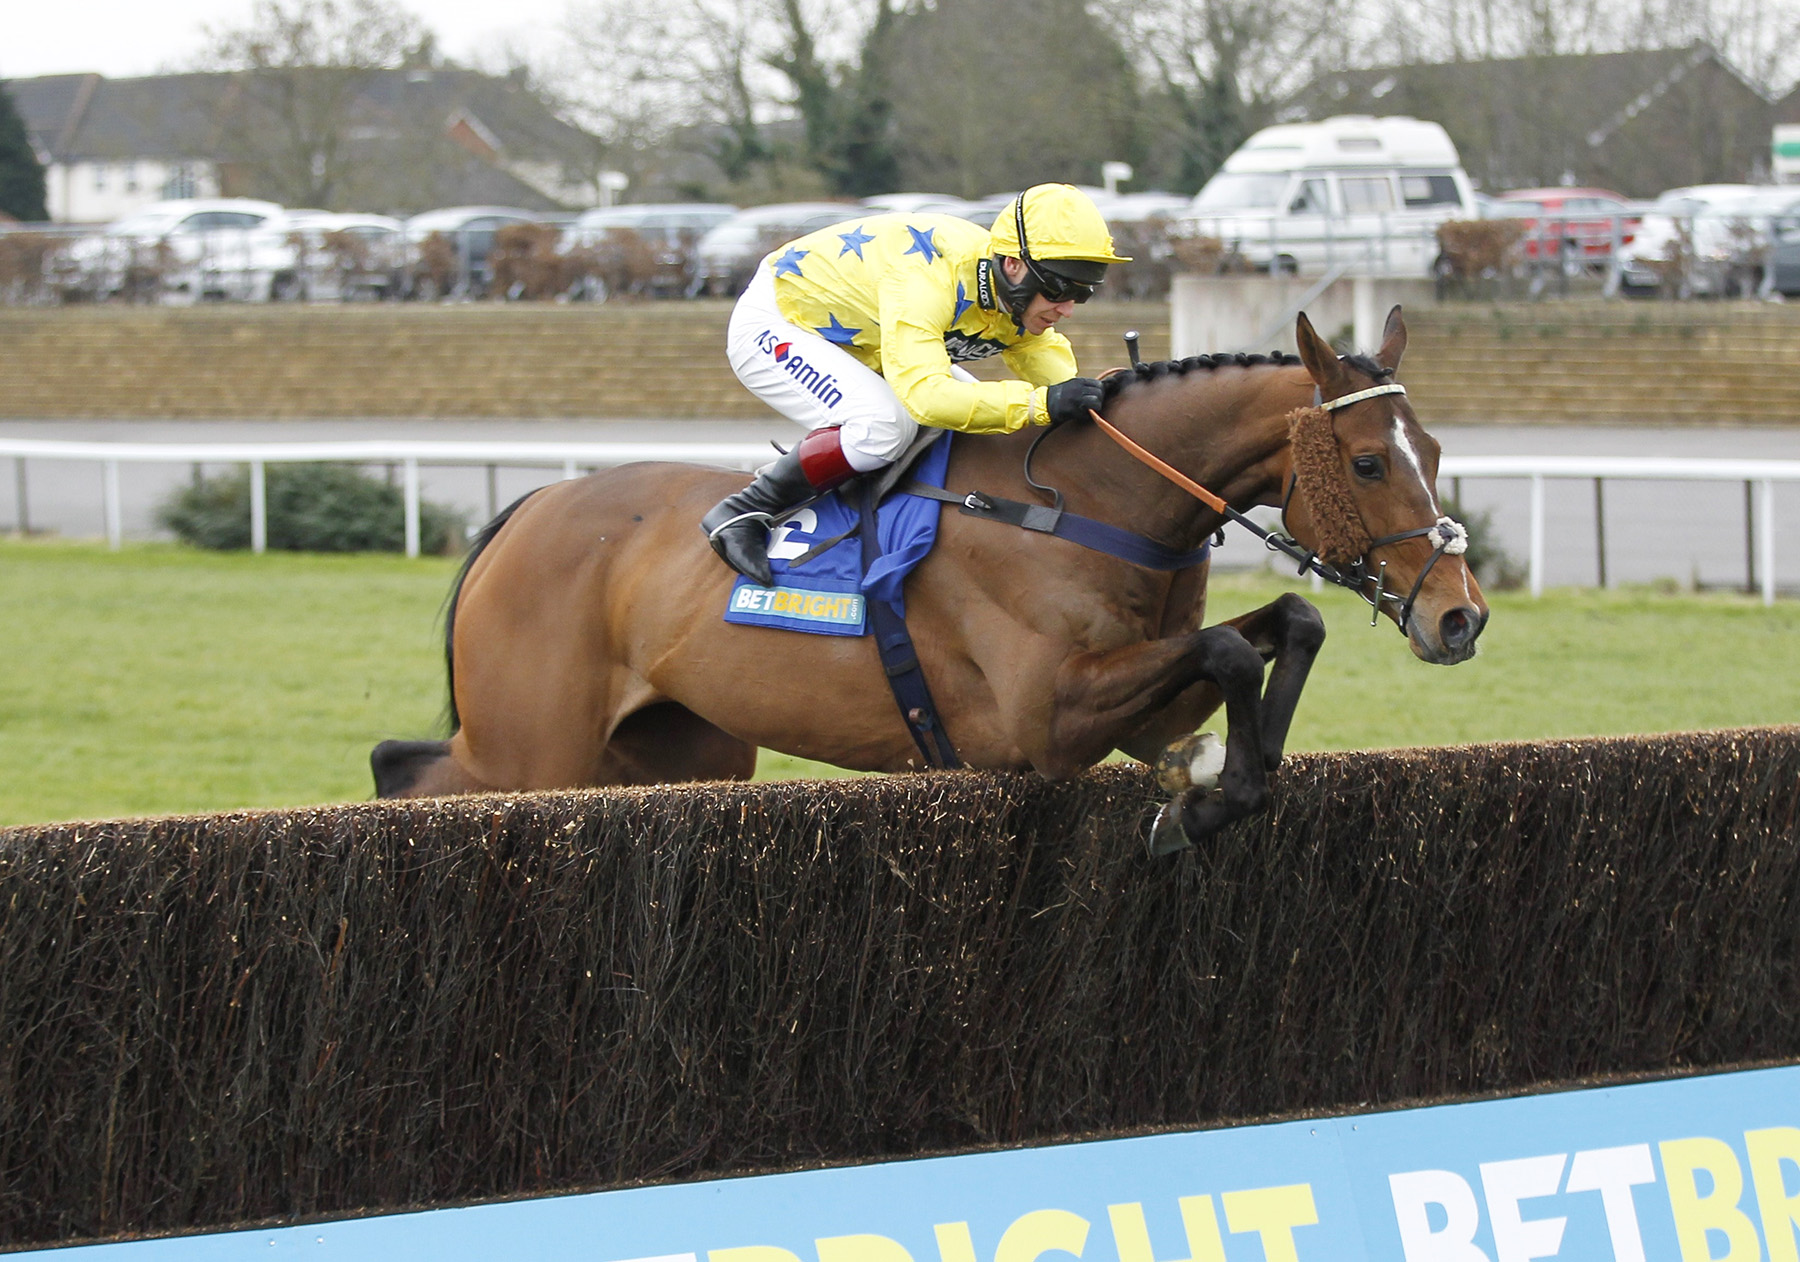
column 572, row 458
column 1763, row 474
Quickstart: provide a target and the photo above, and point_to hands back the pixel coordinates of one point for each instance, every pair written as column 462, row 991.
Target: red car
column 1571, row 222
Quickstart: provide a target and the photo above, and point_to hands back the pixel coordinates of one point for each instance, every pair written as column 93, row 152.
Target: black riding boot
column 738, row 526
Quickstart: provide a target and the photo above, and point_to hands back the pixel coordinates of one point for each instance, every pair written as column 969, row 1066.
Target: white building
column 112, row 146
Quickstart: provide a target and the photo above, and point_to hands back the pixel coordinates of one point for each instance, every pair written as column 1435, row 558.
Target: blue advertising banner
column 1703, row 1169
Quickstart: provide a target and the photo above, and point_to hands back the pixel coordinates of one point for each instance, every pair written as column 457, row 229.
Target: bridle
column 1447, row 536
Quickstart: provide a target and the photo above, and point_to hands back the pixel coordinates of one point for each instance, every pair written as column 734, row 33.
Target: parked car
column 728, row 255
column 1353, row 190
column 178, row 251
column 1125, row 208
column 1784, row 262
column 917, row 203
column 448, row 249
column 1709, row 240
column 1573, row 224
column 338, row 257
column 650, row 248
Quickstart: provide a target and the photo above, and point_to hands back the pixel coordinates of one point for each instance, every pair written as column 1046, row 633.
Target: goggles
column 1058, row 288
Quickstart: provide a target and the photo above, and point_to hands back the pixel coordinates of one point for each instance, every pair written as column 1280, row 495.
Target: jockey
column 855, row 331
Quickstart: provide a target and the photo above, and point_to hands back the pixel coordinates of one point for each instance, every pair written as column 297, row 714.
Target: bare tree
column 1761, row 38
column 1221, row 67
column 641, row 71
column 993, row 95
column 289, row 111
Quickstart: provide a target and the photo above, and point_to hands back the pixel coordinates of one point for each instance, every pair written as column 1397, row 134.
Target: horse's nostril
column 1458, row 627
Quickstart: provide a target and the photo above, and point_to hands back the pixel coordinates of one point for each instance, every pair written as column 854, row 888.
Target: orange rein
column 1168, row 470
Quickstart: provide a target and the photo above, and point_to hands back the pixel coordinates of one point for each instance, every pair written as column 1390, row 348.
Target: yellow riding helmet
column 1059, row 222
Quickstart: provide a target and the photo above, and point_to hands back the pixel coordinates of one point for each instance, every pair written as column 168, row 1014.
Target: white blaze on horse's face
column 1447, row 611
column 1409, row 456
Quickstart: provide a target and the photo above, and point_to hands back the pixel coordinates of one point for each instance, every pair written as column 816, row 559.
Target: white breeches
column 814, row 382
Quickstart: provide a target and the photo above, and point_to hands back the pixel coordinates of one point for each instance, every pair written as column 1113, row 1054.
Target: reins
column 1448, row 536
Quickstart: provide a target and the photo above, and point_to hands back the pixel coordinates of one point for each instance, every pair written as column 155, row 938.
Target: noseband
column 1351, row 569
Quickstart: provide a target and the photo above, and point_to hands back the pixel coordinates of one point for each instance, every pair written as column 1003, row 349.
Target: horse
column 585, row 643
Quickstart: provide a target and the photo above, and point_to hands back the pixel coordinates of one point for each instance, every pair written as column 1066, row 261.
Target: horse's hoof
column 1193, row 762
column 1166, row 834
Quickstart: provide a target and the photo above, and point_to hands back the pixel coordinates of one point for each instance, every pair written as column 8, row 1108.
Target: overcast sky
column 135, row 37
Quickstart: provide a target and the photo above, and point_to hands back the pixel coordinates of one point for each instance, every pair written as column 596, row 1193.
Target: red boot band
column 822, row 459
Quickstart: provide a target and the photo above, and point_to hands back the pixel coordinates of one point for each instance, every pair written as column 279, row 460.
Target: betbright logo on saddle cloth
column 827, row 594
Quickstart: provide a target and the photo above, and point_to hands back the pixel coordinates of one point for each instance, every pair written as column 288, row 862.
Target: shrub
column 311, row 508
column 525, row 262
column 434, row 268
column 1480, row 248
column 24, row 259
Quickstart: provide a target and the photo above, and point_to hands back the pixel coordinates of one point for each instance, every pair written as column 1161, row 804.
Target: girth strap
column 898, row 658
column 1085, row 531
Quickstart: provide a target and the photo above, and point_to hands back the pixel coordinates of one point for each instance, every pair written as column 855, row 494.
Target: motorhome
column 1356, row 193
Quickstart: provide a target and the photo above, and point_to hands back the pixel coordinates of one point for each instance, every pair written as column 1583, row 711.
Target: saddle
column 825, row 589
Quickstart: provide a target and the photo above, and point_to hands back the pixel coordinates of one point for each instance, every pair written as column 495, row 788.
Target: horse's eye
column 1367, row 467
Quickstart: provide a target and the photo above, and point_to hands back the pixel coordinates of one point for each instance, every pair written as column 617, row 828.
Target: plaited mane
column 1117, row 379
column 1318, row 465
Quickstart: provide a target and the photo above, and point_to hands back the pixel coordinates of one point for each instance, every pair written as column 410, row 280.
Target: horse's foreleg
column 1103, row 697
column 1292, row 630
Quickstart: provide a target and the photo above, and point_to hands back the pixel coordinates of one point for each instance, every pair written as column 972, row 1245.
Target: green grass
column 161, row 679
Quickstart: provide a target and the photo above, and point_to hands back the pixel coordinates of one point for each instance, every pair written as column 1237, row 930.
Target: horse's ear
column 1316, row 353
column 1393, row 341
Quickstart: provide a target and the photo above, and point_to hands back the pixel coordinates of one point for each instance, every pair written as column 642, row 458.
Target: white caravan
column 1355, row 192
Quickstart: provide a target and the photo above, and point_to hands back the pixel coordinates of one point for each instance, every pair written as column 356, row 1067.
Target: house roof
column 1618, row 120
column 72, row 118
column 504, row 110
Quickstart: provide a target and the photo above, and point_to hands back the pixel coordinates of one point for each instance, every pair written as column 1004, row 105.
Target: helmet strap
column 993, row 288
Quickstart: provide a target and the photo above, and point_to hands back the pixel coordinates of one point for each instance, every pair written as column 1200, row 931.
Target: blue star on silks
column 963, row 302
column 835, row 332
column 854, row 239
column 923, row 244
column 790, row 262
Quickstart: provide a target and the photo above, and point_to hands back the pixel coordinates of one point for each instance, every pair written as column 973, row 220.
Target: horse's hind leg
column 666, row 743
column 419, row 769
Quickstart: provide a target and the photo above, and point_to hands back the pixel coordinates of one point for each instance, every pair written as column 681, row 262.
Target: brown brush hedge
column 293, row 1013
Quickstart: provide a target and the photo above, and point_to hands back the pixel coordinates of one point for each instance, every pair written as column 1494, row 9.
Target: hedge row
column 217, row 1019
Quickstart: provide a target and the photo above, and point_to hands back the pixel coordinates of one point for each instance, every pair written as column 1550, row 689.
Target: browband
column 1392, row 387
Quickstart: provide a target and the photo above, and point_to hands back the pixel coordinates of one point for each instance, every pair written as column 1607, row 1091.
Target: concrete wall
column 658, row 359
column 1210, row 314
column 1613, row 363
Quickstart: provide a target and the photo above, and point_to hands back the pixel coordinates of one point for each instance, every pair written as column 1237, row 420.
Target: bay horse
column 586, row 644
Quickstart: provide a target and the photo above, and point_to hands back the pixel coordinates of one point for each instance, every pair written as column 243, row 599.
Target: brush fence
column 283, row 1014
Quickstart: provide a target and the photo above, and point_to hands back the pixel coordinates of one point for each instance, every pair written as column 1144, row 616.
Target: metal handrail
column 409, row 454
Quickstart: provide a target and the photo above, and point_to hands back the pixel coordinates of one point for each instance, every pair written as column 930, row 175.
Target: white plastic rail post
column 411, row 482
column 1766, row 544
column 259, row 507
column 115, row 530
column 1537, row 534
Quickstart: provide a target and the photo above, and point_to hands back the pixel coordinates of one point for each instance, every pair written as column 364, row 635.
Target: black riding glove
column 1070, row 400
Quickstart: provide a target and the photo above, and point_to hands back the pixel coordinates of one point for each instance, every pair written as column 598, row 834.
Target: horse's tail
column 477, row 545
